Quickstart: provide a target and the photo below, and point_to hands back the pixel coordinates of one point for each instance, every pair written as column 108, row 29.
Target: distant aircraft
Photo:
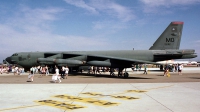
column 178, row 62
column 166, row 47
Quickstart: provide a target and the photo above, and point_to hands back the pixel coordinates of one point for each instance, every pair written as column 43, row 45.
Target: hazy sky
column 81, row 25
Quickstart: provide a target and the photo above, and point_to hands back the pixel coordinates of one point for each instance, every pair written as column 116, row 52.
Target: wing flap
column 121, row 60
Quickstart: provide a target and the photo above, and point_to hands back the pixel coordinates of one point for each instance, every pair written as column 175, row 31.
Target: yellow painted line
column 60, row 105
column 21, row 107
column 125, row 97
column 68, row 106
column 136, row 91
column 112, row 96
column 128, row 91
column 99, row 94
column 87, row 100
column 93, row 94
column 160, row 87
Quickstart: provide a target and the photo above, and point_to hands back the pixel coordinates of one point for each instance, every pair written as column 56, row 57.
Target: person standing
column 145, row 69
column 140, row 66
column 89, row 68
column 137, row 67
column 99, row 70
column 56, row 75
column 173, row 68
column 66, row 70
column 166, row 70
column 94, row 70
column 62, row 72
column 47, row 70
column 38, row 69
column 180, row 68
column 1, row 70
column 176, row 67
column 112, row 71
column 31, row 75
column 16, row 70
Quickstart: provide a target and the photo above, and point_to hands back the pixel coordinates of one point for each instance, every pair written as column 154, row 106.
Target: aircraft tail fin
column 170, row 38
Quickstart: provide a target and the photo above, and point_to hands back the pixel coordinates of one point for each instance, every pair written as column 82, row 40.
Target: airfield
column 82, row 92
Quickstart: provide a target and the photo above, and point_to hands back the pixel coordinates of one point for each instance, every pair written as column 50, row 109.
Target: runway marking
column 160, row 87
column 136, row 91
column 68, row 106
column 60, row 105
column 19, row 107
column 125, row 97
column 88, row 100
column 112, row 96
column 93, row 94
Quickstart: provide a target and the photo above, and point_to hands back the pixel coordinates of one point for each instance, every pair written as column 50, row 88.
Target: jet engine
column 67, row 61
column 99, row 63
column 45, row 60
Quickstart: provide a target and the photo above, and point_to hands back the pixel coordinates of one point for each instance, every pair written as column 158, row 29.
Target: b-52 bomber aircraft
column 166, row 47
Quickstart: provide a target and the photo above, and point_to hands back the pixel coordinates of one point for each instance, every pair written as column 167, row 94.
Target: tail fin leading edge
column 170, row 38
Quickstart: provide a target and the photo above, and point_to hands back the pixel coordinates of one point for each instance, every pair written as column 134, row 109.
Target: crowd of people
column 97, row 70
column 42, row 70
column 173, row 68
column 14, row 69
column 62, row 72
column 137, row 67
column 167, row 68
column 38, row 70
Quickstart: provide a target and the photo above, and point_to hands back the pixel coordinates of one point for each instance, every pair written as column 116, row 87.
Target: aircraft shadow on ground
column 159, row 75
column 53, row 82
column 194, row 77
column 156, row 71
column 105, row 76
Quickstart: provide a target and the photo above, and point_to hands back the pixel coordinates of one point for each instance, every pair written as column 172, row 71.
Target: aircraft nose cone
column 8, row 59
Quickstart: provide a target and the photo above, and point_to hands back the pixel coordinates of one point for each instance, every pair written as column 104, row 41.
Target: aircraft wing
column 79, row 59
column 98, row 60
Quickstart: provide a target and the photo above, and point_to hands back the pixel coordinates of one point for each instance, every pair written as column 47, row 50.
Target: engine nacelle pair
column 59, row 61
column 99, row 63
column 45, row 60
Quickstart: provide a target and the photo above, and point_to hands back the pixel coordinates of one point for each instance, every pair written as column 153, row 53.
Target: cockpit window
column 15, row 54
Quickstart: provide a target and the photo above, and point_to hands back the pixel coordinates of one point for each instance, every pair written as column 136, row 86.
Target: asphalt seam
column 79, row 94
column 155, row 99
column 189, row 87
column 158, row 102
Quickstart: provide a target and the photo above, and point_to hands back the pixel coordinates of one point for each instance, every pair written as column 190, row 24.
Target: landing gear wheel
column 112, row 74
column 119, row 75
column 126, row 75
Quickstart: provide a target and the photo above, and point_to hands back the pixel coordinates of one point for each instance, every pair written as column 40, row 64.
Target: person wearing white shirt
column 66, row 71
column 180, row 68
column 57, row 75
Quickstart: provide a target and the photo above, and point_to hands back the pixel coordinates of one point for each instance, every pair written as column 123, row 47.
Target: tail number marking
column 169, row 39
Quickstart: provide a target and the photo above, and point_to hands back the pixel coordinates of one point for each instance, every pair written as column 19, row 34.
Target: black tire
column 126, row 75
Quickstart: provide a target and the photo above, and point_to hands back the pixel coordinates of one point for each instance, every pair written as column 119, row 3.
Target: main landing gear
column 126, row 75
column 120, row 72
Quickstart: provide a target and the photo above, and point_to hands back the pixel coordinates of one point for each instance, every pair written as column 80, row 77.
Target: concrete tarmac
column 83, row 92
